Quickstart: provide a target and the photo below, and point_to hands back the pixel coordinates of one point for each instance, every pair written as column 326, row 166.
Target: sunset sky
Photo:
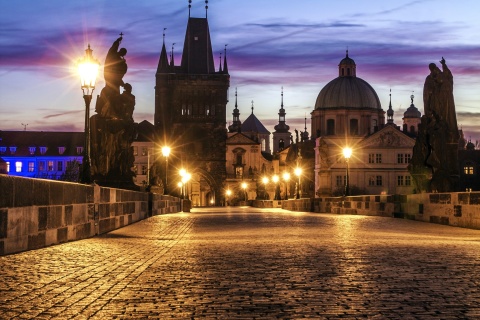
column 271, row 43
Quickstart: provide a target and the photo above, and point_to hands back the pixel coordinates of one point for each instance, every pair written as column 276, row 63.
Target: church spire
column 225, row 67
column 236, row 123
column 390, row 110
column 281, row 126
column 172, row 60
column 163, row 62
column 220, row 67
column 189, row 7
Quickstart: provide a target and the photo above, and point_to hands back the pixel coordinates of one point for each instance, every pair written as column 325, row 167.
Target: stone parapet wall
column 454, row 209
column 35, row 213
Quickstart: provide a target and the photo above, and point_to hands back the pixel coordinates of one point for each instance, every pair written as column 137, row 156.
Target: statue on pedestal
column 112, row 128
column 434, row 162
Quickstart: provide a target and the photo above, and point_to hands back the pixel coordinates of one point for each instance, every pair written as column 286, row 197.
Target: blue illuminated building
column 38, row 154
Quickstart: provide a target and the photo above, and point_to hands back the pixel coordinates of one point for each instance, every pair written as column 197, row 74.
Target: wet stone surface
column 246, row 263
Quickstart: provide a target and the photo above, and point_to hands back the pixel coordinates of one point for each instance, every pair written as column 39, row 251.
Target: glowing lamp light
column 347, row 153
column 165, row 151
column 229, row 193
column 286, row 176
column 265, row 180
column 298, row 171
column 88, row 71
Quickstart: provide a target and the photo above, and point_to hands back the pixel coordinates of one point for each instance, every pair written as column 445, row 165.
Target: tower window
column 281, row 144
column 330, row 127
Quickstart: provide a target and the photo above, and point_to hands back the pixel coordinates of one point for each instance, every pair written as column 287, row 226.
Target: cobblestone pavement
column 246, row 263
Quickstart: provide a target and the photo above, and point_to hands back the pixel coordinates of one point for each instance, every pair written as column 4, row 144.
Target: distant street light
column 88, row 70
column 228, row 194
column 275, row 180
column 244, row 187
column 298, row 173
column 166, row 153
column 286, row 178
column 347, row 153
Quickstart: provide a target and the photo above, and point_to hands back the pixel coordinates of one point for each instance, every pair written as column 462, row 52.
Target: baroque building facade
column 348, row 114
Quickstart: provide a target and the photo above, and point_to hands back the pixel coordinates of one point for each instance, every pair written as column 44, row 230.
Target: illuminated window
column 468, row 169
column 31, row 166
column 263, row 145
column 135, row 168
column 43, row 150
column 135, row 151
column 144, row 151
column 468, row 189
column 50, row 165
column 32, row 150
column 8, row 166
column 61, row 150
column 18, row 166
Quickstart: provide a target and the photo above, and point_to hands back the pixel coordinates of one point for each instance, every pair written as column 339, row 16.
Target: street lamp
column 244, row 187
column 347, row 153
column 286, row 178
column 186, row 177
column 298, row 173
column 228, row 193
column 166, row 153
column 275, row 180
column 265, row 182
column 180, row 186
column 88, row 70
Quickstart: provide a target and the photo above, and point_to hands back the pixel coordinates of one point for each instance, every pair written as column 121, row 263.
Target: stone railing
column 35, row 213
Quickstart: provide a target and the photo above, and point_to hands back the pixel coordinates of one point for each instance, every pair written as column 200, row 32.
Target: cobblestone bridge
column 247, row 263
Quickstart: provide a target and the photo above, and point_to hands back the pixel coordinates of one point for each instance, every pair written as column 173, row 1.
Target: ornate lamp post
column 286, row 178
column 228, row 193
column 298, row 173
column 347, row 153
column 88, row 70
column 166, row 153
column 275, row 180
column 180, row 186
column 265, row 182
column 244, row 187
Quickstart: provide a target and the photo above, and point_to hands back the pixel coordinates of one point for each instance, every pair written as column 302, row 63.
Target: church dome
column 412, row 111
column 347, row 91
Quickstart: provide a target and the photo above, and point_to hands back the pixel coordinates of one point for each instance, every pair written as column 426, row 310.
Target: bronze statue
column 434, row 165
column 115, row 66
column 438, row 98
column 113, row 128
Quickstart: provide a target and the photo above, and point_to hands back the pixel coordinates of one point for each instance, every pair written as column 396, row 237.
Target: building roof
column 28, row 143
column 197, row 57
column 145, row 132
column 252, row 124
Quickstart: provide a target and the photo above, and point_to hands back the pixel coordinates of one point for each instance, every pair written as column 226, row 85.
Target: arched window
column 263, row 144
column 330, row 127
column 354, row 127
column 281, row 144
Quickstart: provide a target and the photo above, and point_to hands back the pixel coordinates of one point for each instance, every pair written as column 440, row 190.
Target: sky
column 271, row 44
